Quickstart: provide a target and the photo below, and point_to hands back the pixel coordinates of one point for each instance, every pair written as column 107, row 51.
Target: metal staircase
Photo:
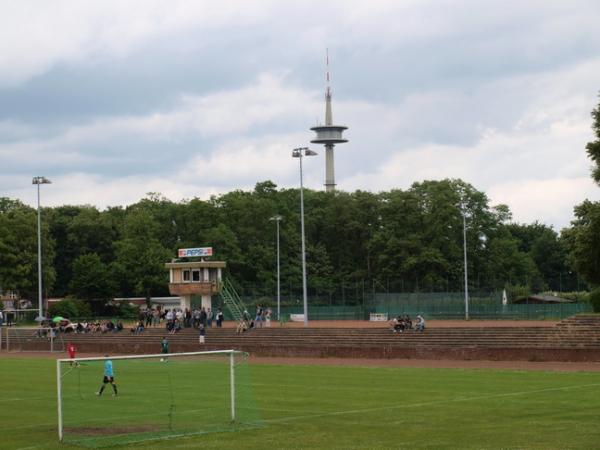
column 232, row 300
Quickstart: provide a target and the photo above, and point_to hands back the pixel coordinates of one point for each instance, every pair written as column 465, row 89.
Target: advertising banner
column 194, row 252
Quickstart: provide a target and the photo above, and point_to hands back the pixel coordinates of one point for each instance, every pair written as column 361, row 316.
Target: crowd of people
column 400, row 324
column 261, row 318
column 176, row 319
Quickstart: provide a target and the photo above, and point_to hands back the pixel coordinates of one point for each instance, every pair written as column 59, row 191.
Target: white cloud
column 35, row 35
column 500, row 96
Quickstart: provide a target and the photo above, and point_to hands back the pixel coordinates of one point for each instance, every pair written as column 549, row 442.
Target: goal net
column 157, row 397
column 34, row 339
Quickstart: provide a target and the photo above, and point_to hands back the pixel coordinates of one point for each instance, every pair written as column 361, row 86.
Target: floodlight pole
column 277, row 219
column 464, row 216
column 37, row 181
column 299, row 153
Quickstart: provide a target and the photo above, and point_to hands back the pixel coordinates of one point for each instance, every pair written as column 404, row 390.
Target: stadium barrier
column 446, row 309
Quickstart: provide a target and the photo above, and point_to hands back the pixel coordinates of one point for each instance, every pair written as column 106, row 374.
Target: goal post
column 31, row 339
column 157, row 396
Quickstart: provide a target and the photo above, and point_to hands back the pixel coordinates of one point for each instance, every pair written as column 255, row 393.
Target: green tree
column 91, row 278
column 139, row 267
column 18, row 249
column 593, row 148
column 583, row 241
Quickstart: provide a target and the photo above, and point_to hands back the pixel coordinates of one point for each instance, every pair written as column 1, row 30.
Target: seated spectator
column 242, row 326
column 407, row 322
column 398, row 324
column 420, row 325
column 139, row 327
column 41, row 332
column 119, row 326
column 173, row 326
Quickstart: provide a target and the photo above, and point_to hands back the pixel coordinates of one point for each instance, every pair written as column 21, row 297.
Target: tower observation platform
column 329, row 134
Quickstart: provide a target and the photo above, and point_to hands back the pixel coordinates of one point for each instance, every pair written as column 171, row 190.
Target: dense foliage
column 399, row 240
column 583, row 238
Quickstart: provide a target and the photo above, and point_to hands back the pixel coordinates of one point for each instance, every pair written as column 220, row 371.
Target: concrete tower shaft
column 329, row 135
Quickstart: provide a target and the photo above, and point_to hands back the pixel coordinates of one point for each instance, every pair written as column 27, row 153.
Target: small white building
column 202, row 278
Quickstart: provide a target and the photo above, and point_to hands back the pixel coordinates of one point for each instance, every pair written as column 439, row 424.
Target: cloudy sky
column 114, row 99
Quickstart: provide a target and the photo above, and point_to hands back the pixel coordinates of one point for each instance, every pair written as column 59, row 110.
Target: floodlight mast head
column 41, row 180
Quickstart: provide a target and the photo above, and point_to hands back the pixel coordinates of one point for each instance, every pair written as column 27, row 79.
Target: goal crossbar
column 153, row 356
column 230, row 353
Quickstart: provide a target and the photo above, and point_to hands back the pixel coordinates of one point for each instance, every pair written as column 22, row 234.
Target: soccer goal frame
column 29, row 339
column 59, row 374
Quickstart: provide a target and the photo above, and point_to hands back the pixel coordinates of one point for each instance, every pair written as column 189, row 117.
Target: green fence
column 447, row 309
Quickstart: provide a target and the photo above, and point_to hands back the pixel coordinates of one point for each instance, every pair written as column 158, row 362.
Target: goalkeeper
column 109, row 377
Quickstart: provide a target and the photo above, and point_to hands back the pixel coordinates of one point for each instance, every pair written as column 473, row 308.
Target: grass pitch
column 334, row 407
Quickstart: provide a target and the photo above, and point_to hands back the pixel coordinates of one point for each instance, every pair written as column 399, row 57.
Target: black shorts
column 108, row 379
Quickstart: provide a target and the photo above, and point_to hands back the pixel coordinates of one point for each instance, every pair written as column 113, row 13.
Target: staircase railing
column 232, row 300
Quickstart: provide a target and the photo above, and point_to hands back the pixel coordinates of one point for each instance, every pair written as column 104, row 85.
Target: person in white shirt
column 420, row 326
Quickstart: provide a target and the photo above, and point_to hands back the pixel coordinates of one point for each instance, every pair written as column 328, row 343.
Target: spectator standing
column 1, row 317
column 202, row 334
column 219, row 318
column 203, row 317
column 196, row 317
column 209, row 318
column 258, row 317
column 420, row 325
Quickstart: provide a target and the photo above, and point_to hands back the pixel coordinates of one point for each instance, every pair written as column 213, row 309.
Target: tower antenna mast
column 329, row 134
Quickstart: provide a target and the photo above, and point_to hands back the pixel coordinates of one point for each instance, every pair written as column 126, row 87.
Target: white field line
column 430, row 403
column 366, row 410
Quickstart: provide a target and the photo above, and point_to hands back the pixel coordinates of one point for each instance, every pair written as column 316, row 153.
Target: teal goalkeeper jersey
column 108, row 368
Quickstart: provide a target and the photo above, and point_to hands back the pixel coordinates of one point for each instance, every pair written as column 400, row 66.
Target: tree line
column 391, row 241
column 398, row 240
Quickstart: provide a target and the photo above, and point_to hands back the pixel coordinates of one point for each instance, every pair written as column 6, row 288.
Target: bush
column 70, row 308
column 65, row 308
column 517, row 292
column 578, row 297
column 595, row 299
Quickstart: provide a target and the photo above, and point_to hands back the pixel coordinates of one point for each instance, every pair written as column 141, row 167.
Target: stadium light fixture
column 38, row 181
column 300, row 153
column 277, row 218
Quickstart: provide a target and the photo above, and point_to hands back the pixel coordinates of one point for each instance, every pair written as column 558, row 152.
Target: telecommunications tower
column 329, row 134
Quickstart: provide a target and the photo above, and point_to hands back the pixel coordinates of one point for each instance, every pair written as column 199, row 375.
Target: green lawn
column 306, row 407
